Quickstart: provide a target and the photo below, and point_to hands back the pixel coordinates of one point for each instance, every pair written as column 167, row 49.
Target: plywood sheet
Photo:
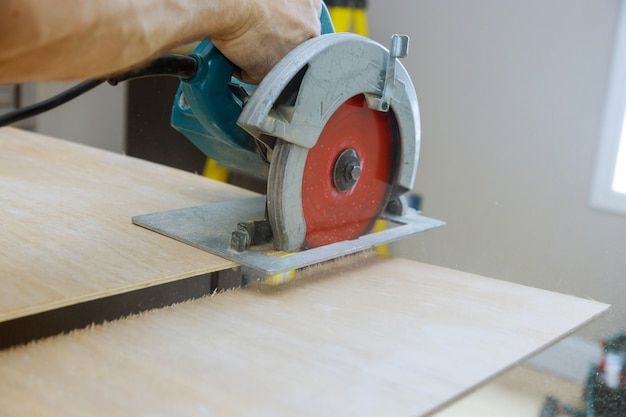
column 387, row 338
column 65, row 223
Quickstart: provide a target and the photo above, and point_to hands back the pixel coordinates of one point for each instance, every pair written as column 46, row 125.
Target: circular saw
column 342, row 116
column 334, row 129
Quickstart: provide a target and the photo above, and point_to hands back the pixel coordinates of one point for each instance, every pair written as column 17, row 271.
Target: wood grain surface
column 65, row 223
column 385, row 338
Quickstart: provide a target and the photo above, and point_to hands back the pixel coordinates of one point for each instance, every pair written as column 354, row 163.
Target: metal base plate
column 209, row 227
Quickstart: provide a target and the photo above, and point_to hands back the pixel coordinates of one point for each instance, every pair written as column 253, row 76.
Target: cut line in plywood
column 61, row 320
column 66, row 235
column 391, row 337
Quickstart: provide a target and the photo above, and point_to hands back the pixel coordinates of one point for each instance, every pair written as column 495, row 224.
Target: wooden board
column 65, row 223
column 388, row 338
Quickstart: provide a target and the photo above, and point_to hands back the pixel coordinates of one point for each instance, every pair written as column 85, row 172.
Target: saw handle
column 207, row 106
column 207, row 54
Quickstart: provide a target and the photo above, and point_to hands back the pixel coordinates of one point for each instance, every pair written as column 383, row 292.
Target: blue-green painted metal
column 206, row 111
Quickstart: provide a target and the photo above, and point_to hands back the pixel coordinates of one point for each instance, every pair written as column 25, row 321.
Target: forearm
column 49, row 39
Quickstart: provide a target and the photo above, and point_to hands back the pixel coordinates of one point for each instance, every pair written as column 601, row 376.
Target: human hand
column 264, row 32
column 97, row 38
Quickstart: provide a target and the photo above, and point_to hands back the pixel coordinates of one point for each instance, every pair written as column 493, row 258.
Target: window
column 619, row 176
column 609, row 185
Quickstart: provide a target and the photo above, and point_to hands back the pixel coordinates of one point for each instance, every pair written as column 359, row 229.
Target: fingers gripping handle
column 207, row 106
column 218, row 68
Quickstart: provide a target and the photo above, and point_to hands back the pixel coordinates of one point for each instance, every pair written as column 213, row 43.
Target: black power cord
column 51, row 103
column 181, row 66
column 173, row 65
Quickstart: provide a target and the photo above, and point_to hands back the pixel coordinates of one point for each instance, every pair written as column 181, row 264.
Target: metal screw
column 353, row 172
column 240, row 240
column 347, row 170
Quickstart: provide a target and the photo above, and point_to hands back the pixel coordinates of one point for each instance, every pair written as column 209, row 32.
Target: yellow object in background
column 215, row 171
column 382, row 250
column 349, row 19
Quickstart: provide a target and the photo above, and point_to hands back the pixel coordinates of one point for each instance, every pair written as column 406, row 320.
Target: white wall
column 511, row 95
column 97, row 118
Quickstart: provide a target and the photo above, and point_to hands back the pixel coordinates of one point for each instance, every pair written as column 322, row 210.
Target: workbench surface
column 384, row 337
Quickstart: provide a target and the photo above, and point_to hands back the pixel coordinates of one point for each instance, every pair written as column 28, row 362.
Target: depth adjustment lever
column 399, row 49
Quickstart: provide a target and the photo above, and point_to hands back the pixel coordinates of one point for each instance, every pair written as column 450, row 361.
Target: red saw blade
column 348, row 174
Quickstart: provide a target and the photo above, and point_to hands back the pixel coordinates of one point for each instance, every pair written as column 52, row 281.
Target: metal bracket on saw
column 209, row 227
column 399, row 49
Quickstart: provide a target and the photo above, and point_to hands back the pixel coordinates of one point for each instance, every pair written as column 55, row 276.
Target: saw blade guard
column 207, row 106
